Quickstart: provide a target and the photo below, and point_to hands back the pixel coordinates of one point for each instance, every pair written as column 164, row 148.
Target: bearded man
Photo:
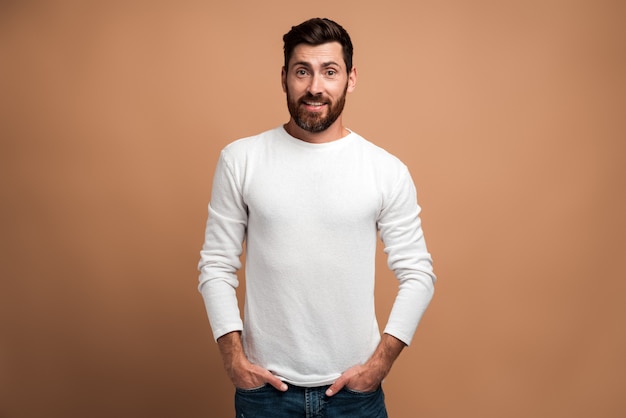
column 309, row 199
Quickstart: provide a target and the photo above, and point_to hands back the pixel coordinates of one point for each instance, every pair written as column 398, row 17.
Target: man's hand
column 246, row 375
column 367, row 377
column 359, row 378
column 240, row 370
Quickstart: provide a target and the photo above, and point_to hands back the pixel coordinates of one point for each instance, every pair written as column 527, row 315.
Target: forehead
column 318, row 54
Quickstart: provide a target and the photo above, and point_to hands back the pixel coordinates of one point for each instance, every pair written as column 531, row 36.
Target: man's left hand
column 367, row 377
column 358, row 378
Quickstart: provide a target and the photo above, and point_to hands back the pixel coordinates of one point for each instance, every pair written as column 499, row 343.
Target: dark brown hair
column 318, row 31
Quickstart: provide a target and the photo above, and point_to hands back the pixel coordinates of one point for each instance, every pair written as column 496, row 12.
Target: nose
column 315, row 85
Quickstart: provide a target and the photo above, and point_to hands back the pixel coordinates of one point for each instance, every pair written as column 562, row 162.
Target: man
column 309, row 198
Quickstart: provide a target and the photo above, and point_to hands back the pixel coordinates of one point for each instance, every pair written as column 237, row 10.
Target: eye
column 301, row 72
column 331, row 73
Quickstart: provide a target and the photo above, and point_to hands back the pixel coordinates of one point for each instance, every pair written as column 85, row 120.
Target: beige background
column 510, row 115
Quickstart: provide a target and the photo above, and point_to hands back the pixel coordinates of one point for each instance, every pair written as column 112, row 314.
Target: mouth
column 313, row 105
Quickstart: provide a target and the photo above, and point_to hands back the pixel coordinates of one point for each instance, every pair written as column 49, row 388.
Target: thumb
column 337, row 386
column 276, row 382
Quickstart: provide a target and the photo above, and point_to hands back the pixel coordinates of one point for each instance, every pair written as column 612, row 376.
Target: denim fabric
column 299, row 402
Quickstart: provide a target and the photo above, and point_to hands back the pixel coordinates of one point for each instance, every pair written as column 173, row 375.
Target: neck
column 332, row 133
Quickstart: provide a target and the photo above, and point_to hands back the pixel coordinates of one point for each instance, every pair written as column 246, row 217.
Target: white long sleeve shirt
column 309, row 216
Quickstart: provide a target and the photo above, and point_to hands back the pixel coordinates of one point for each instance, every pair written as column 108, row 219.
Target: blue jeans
column 299, row 402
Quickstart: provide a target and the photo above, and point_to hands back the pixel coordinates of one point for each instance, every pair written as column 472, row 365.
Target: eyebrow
column 308, row 65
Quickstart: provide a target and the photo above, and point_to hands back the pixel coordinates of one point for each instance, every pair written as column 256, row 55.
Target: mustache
column 308, row 97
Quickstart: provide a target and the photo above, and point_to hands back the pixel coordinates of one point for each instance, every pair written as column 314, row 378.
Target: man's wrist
column 385, row 354
column 231, row 349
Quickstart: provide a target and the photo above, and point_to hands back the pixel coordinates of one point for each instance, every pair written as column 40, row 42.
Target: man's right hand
column 250, row 376
column 240, row 370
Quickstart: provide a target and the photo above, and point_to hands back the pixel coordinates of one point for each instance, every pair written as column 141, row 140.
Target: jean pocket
column 361, row 393
column 253, row 390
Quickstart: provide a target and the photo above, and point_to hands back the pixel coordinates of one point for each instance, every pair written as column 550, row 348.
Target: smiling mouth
column 313, row 106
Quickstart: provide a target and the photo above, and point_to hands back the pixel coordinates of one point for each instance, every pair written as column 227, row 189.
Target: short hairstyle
column 318, row 31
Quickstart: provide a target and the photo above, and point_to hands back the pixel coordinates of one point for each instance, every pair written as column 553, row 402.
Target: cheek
column 294, row 89
column 339, row 91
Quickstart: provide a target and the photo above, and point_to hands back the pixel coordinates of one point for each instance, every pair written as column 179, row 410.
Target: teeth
column 314, row 104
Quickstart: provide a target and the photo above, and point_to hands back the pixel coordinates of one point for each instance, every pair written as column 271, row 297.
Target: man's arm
column 367, row 377
column 400, row 230
column 241, row 372
column 219, row 263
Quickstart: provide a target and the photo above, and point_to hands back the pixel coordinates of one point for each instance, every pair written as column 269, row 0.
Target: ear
column 283, row 79
column 352, row 80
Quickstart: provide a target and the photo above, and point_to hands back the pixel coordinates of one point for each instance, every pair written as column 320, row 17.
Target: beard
column 315, row 121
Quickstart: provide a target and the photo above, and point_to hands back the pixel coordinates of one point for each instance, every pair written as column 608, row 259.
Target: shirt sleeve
column 407, row 256
column 220, row 255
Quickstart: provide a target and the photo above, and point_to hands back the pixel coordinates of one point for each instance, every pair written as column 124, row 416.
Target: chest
column 323, row 192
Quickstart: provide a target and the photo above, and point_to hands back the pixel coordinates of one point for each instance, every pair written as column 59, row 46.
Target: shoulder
column 378, row 154
column 245, row 150
column 250, row 143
